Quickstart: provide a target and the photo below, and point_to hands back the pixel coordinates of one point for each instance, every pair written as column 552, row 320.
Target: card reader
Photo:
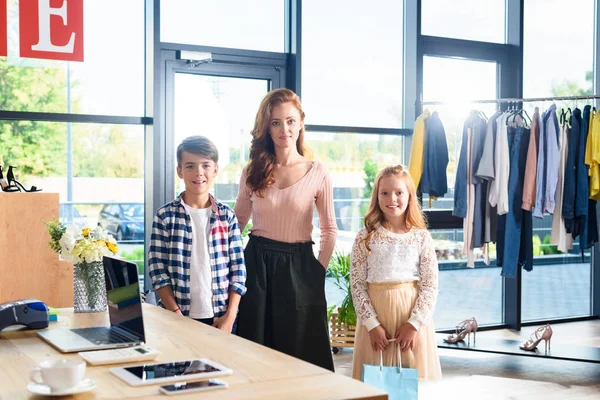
column 31, row 313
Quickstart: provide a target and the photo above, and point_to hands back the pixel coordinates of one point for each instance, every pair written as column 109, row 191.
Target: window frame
column 509, row 58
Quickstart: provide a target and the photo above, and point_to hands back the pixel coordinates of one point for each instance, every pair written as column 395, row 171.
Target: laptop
column 124, row 308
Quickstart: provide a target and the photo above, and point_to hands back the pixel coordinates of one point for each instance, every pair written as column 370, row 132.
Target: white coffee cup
column 59, row 374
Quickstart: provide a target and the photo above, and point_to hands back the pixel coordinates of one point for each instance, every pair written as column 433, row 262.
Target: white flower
column 86, row 244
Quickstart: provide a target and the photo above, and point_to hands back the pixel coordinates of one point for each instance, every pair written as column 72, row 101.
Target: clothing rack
column 514, row 100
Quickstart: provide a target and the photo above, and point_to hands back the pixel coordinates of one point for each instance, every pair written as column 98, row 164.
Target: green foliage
column 136, row 255
column 537, row 245
column 55, row 230
column 570, row 88
column 107, row 151
column 40, row 148
column 370, row 169
column 247, row 230
column 547, row 248
column 339, row 270
column 33, row 147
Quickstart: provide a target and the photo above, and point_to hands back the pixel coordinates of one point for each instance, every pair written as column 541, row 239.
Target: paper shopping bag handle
column 399, row 355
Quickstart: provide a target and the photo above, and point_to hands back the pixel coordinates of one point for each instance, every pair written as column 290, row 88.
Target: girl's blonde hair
column 414, row 217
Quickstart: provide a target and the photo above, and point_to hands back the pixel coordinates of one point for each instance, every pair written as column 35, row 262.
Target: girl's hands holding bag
column 379, row 338
column 406, row 336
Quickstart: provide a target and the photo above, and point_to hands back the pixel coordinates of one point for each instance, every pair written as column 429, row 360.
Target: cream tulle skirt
column 393, row 303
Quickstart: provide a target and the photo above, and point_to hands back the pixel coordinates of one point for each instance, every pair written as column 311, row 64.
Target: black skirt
column 284, row 307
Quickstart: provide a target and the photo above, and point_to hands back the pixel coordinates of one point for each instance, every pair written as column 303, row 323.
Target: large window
column 557, row 63
column 460, row 288
column 352, row 63
column 353, row 160
column 471, row 80
column 110, row 81
column 252, row 24
column 558, row 57
column 222, row 109
column 468, row 19
column 107, row 179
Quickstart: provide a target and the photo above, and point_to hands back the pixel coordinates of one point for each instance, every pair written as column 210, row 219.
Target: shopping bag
column 397, row 382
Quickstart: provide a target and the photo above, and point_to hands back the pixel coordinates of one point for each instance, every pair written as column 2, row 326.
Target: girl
column 284, row 307
column 394, row 278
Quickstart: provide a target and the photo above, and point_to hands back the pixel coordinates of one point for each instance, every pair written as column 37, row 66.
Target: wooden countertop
column 258, row 372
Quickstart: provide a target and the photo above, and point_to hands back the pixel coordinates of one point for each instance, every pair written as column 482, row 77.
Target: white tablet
column 150, row 374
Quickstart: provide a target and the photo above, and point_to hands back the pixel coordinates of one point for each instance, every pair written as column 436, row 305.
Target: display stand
column 511, row 347
column 29, row 268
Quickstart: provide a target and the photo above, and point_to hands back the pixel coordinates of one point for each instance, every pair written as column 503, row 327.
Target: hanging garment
column 468, row 220
column 460, row 182
column 485, row 170
column 552, row 160
column 514, row 246
column 540, row 173
column 531, row 163
column 547, row 173
column 593, row 156
column 585, row 207
column 570, row 175
column 434, row 180
column 559, row 236
column 499, row 191
column 480, row 184
column 415, row 164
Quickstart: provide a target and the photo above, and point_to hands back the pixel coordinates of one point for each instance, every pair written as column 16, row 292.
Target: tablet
column 150, row 374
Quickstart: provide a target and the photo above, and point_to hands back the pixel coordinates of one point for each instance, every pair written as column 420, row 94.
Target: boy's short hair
column 199, row 145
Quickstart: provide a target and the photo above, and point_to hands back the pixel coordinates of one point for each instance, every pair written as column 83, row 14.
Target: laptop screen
column 123, row 296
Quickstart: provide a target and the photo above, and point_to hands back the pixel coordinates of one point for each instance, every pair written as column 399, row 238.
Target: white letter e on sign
column 44, row 43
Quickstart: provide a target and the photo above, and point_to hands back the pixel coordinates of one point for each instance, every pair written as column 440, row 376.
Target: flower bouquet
column 84, row 247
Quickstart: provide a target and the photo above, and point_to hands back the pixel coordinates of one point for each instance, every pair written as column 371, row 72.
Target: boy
column 196, row 258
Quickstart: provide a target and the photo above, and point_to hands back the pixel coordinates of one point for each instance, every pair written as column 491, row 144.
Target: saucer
column 84, row 386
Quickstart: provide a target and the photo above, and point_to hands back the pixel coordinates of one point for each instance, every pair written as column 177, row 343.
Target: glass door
column 219, row 102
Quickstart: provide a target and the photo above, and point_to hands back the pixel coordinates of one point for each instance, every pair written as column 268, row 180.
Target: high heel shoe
column 541, row 333
column 12, row 182
column 465, row 328
column 4, row 185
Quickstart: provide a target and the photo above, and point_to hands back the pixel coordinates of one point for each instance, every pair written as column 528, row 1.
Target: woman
column 284, row 307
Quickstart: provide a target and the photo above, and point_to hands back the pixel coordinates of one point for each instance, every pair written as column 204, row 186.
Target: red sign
column 51, row 29
column 3, row 29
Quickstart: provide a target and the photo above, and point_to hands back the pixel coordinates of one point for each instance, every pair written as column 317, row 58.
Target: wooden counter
column 258, row 372
column 28, row 266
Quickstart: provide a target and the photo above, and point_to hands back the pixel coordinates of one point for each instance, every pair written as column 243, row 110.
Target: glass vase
column 89, row 287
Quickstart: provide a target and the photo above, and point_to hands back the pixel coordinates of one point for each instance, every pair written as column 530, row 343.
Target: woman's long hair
column 259, row 172
column 414, row 217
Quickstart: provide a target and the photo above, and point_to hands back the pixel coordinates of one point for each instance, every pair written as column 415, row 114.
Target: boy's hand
column 225, row 323
column 406, row 336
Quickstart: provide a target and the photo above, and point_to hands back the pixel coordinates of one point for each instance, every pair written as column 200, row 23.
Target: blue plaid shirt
column 171, row 249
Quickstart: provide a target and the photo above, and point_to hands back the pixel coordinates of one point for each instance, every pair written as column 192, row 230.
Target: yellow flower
column 86, row 232
column 112, row 247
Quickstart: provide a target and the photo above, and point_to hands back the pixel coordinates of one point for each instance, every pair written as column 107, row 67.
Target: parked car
column 125, row 221
column 68, row 214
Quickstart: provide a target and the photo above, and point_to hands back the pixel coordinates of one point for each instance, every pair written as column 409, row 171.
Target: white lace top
column 394, row 257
